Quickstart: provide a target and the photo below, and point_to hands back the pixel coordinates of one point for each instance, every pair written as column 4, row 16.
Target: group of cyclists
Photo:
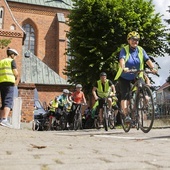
column 132, row 56
column 73, row 101
column 68, row 101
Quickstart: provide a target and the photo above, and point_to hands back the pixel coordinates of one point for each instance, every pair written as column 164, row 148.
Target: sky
column 161, row 6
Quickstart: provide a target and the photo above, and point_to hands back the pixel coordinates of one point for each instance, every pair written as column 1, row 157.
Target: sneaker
column 5, row 123
column 109, row 113
column 68, row 125
column 101, row 125
column 127, row 119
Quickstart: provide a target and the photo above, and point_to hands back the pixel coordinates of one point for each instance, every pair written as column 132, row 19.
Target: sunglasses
column 134, row 39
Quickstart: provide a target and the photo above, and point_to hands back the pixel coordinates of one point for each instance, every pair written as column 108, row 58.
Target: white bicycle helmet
column 78, row 86
column 11, row 51
column 66, row 91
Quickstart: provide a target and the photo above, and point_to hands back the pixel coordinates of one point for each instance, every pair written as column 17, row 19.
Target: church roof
column 37, row 72
column 64, row 4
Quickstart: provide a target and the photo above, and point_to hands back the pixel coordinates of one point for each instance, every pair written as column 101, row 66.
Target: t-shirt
column 133, row 62
column 13, row 64
column 77, row 96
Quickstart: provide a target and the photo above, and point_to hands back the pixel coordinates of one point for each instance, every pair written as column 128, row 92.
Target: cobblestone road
column 25, row 149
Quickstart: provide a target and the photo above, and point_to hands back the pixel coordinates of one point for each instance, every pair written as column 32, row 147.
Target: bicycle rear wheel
column 145, row 109
column 125, row 125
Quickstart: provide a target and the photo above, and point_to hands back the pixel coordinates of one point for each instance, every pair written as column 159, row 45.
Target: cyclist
column 131, row 56
column 77, row 99
column 101, row 90
column 63, row 101
column 53, row 105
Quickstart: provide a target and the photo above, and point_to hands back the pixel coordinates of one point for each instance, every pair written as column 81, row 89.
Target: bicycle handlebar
column 136, row 71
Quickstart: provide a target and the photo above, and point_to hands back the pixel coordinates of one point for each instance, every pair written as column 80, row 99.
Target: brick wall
column 26, row 92
column 47, row 32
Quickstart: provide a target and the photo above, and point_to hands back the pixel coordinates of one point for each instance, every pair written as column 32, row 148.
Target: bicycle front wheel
column 111, row 120
column 76, row 122
column 145, row 109
column 105, row 118
column 125, row 125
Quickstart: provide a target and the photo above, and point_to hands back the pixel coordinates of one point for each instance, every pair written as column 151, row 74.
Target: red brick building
column 37, row 30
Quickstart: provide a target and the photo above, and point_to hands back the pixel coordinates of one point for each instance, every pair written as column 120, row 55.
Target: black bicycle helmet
column 103, row 74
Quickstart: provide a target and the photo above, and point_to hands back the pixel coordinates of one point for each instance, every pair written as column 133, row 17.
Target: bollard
column 16, row 114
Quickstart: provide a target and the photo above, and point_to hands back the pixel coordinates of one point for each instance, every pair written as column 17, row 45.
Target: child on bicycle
column 53, row 105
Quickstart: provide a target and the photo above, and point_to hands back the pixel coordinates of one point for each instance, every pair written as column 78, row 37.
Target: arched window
column 1, row 16
column 12, row 27
column 29, row 42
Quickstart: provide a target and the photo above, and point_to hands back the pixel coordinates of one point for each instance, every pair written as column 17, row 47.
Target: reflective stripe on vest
column 100, row 91
column 140, row 54
column 6, row 73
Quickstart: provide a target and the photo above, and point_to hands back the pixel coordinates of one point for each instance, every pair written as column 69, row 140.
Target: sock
column 5, row 119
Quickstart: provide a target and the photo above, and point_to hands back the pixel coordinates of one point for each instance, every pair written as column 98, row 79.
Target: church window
column 1, row 17
column 29, row 42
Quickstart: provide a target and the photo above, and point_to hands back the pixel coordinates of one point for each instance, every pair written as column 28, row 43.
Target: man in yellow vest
column 8, row 75
column 131, row 56
column 101, row 90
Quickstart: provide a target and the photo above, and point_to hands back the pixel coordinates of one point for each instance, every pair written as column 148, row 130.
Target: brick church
column 37, row 30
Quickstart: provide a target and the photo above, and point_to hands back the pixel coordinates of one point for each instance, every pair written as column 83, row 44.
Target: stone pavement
column 25, row 149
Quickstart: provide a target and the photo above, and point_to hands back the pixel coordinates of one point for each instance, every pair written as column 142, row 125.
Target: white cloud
column 161, row 6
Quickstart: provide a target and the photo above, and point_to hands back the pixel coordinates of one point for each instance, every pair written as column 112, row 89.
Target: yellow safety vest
column 100, row 91
column 140, row 54
column 6, row 73
column 54, row 105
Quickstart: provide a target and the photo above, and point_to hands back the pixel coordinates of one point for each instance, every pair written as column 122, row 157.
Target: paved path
column 25, row 149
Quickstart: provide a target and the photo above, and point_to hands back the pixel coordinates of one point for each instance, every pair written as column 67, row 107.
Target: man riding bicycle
column 101, row 90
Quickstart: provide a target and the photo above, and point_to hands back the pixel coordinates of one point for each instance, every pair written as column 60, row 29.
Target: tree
column 4, row 43
column 168, row 36
column 98, row 30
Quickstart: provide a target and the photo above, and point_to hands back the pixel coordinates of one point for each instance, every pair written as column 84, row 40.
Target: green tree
column 168, row 36
column 98, row 30
column 4, row 43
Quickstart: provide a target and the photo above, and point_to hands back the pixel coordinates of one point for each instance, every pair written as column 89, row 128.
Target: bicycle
column 77, row 121
column 141, row 107
column 107, row 118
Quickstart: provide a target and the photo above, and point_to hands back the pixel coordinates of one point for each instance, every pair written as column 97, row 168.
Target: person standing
column 8, row 76
column 132, row 56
